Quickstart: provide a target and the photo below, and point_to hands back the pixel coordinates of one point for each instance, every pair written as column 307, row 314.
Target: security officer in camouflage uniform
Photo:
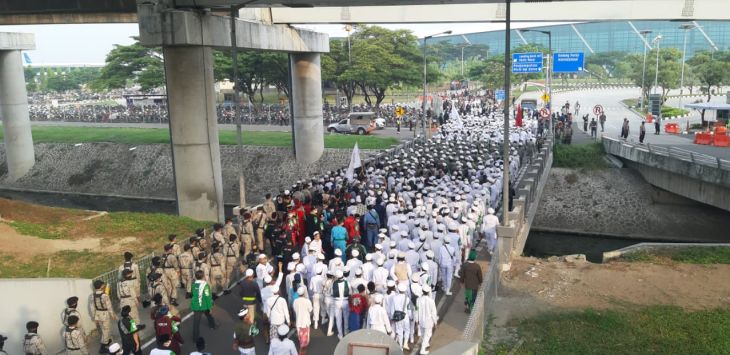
column 217, row 269
column 170, row 269
column 102, row 313
column 185, row 261
column 127, row 296
column 32, row 342
column 70, row 310
column 231, row 250
column 74, row 339
column 130, row 265
column 247, row 234
column 201, row 263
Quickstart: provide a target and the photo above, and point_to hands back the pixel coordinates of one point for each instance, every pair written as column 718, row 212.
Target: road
column 616, row 111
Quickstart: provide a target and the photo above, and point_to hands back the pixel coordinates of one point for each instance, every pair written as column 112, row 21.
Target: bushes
column 589, row 156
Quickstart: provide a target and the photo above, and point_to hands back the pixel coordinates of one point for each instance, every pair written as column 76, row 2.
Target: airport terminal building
column 601, row 37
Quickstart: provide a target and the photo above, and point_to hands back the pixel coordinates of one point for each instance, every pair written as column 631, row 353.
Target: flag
column 354, row 163
column 518, row 119
column 27, row 59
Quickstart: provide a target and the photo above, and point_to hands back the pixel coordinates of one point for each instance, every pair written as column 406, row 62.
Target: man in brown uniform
column 247, row 231
column 185, row 261
column 217, row 269
column 231, row 250
column 171, row 272
column 472, row 279
column 74, row 339
column 102, row 313
column 259, row 225
column 128, row 297
column 229, row 229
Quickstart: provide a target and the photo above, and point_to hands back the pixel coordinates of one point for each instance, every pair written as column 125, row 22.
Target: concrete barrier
column 43, row 301
column 633, row 249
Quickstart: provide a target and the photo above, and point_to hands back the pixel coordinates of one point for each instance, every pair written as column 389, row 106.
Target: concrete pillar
column 194, row 132
column 14, row 112
column 306, row 92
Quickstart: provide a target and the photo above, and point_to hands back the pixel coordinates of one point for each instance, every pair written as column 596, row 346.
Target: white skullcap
column 411, row 245
column 262, row 256
column 339, row 274
column 283, row 330
column 378, row 298
column 424, row 266
column 402, row 287
column 320, row 256
column 426, row 288
column 300, row 268
column 243, row 312
column 490, row 210
column 368, row 257
column 416, row 289
column 379, row 246
column 301, row 290
column 390, row 283
column 307, row 240
column 380, row 261
column 355, row 253
column 358, row 272
column 295, row 256
column 401, row 255
column 338, row 252
column 114, row 348
column 249, row 273
column 429, row 254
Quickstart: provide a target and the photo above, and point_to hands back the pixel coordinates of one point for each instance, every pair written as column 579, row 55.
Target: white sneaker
column 330, row 334
column 316, row 325
column 448, row 293
column 405, row 347
column 424, row 352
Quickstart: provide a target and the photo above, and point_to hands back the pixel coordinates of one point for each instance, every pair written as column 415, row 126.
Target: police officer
column 32, row 342
column 217, row 269
column 101, row 312
column 74, row 338
column 130, row 265
column 70, row 310
column 231, row 251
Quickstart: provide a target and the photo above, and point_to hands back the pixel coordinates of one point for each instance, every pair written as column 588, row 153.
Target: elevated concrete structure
column 20, row 12
column 188, row 38
column 695, row 176
column 14, row 104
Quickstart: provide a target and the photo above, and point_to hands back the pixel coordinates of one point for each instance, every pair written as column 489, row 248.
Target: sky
column 89, row 44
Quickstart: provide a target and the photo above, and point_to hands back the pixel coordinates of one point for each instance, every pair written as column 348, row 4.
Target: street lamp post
column 467, row 43
column 548, row 72
column 425, row 83
column 348, row 28
column 686, row 27
column 657, row 39
column 644, row 33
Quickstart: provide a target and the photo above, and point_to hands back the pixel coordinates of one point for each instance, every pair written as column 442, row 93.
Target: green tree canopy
column 669, row 69
column 133, row 63
column 709, row 71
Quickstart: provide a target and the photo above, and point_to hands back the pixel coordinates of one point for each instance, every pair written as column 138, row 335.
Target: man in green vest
column 201, row 303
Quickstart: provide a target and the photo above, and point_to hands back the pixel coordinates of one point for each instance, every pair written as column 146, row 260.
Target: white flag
column 354, row 163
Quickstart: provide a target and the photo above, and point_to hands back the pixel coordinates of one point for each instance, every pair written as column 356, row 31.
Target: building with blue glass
column 614, row 36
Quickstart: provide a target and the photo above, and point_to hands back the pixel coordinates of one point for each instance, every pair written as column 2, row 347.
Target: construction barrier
column 721, row 140
column 704, row 138
column 671, row 128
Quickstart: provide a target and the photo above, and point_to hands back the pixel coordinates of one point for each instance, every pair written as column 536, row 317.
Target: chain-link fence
column 111, row 278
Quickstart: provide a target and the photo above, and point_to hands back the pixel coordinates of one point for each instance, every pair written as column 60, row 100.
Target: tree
column 135, row 63
column 669, row 70
column 334, row 65
column 608, row 61
column 30, row 78
column 256, row 70
column 709, row 72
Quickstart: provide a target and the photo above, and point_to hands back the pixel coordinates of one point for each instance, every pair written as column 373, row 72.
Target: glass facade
column 608, row 37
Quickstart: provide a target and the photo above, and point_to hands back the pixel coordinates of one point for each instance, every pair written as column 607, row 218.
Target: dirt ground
column 533, row 286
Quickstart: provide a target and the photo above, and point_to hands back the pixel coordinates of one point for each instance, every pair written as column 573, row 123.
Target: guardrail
column 677, row 153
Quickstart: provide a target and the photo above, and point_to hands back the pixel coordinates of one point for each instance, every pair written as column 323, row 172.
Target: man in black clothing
column 250, row 293
column 129, row 333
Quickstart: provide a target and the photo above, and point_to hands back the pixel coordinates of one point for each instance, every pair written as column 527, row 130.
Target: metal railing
column 112, row 277
column 677, row 153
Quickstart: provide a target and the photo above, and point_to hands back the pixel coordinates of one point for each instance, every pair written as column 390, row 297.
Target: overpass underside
column 21, row 12
column 694, row 176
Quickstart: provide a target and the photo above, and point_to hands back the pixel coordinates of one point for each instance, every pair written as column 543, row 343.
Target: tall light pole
column 657, row 39
column 467, row 43
column 686, row 27
column 644, row 33
column 548, row 71
column 350, row 87
column 426, row 133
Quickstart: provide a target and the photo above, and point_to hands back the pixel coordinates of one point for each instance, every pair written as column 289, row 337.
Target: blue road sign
column 499, row 95
column 526, row 63
column 568, row 62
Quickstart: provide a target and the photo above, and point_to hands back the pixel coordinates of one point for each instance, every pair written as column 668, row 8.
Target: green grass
column 65, row 263
column 38, row 230
column 649, row 330
column 55, row 134
column 690, row 255
column 588, row 156
column 667, row 111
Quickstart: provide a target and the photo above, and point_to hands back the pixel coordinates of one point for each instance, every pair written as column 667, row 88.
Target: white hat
column 411, row 245
column 378, row 298
column 267, row 279
column 395, row 227
column 369, row 257
column 262, row 256
column 426, row 288
column 490, row 210
column 416, row 289
column 403, row 218
column 380, row 261
column 307, row 240
column 390, row 283
column 243, row 312
column 301, row 290
column 249, row 272
column 320, row 256
column 300, row 268
column 429, row 254
column 401, row 255
column 355, row 253
column 424, row 266
column 283, row 330
column 338, row 252
column 295, row 256
column 402, row 287
column 379, row 246
column 339, row 274
column 114, row 348
column 358, row 272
